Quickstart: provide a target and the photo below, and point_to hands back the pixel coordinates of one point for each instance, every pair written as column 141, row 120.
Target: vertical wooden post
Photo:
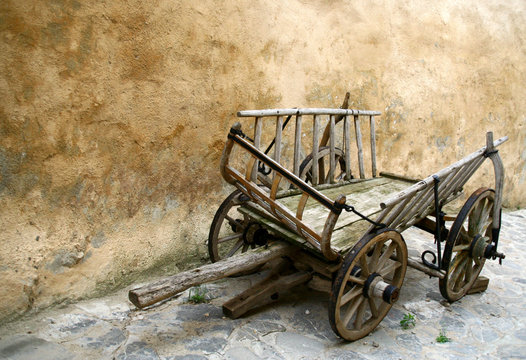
column 297, row 146
column 332, row 159
column 359, row 145
column 315, row 149
column 373, row 146
column 347, row 145
column 258, row 123
column 277, row 143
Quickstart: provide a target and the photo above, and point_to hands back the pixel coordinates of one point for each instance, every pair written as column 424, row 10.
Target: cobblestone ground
column 490, row 325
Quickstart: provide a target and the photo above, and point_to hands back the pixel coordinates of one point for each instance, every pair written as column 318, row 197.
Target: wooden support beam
column 163, row 289
column 266, row 291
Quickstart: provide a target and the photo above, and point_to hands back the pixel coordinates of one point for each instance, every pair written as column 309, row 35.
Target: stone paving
column 490, row 325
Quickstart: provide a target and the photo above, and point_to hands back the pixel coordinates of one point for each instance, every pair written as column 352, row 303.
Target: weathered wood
column 373, row 146
column 266, row 291
column 258, row 126
column 305, row 111
column 498, row 169
column 418, row 265
column 166, row 288
column 332, row 159
column 347, row 145
column 480, row 285
column 359, row 145
column 442, row 173
column 277, row 141
column 398, row 176
column 315, row 148
column 297, row 146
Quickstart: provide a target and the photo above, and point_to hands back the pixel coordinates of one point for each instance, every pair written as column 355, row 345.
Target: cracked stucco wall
column 113, row 115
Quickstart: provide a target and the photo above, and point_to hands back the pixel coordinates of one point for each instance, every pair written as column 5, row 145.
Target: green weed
column 198, row 295
column 408, row 321
column 442, row 338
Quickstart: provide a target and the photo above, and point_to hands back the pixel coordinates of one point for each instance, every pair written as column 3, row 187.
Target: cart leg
column 281, row 279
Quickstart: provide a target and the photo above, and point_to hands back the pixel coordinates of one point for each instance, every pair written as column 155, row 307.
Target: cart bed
column 366, row 195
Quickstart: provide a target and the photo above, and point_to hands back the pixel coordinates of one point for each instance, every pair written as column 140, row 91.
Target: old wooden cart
column 344, row 223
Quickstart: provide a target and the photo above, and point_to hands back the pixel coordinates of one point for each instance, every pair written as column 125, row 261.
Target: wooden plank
column 332, row 160
column 163, row 289
column 315, row 148
column 277, row 142
column 373, row 145
column 297, row 146
column 347, row 145
column 305, row 111
column 266, row 291
column 359, row 145
column 258, row 126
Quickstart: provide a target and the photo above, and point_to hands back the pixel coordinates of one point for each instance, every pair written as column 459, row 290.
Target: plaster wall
column 113, row 115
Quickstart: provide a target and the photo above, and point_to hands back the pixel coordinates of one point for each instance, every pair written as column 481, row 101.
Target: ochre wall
column 113, row 115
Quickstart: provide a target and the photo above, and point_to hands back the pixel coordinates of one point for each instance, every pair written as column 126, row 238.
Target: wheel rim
column 355, row 310
column 470, row 232
column 323, row 166
column 226, row 232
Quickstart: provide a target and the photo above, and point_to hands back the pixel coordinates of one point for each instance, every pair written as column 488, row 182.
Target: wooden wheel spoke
column 356, row 280
column 386, row 255
column 458, row 273
column 469, row 270
column 458, row 248
column 358, row 321
column 386, row 270
column 350, row 295
column 229, row 238
column 245, row 247
column 464, row 236
column 474, row 218
column 373, row 307
column 364, row 266
column 352, row 309
column 373, row 262
column 236, row 247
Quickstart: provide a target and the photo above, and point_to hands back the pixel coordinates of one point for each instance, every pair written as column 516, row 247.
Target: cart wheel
column 367, row 284
column 226, row 236
column 466, row 243
column 323, row 166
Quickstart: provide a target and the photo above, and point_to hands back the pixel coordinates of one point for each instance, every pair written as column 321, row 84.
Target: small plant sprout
column 407, row 321
column 442, row 338
column 197, row 295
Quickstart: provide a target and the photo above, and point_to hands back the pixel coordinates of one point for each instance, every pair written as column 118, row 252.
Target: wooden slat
column 305, row 111
column 347, row 145
column 425, row 182
column 332, row 160
column 258, row 126
column 373, row 146
column 301, row 205
column 359, row 145
column 275, row 186
column 297, row 146
column 277, row 142
column 315, row 149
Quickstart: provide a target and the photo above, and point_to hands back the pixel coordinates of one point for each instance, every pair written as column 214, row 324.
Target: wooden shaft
column 163, row 289
column 373, row 146
column 277, row 144
column 305, row 111
column 332, row 159
column 359, row 145
column 258, row 125
column 347, row 145
column 297, row 146
column 315, row 149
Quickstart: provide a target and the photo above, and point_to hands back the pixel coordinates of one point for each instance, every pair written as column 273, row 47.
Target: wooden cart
column 313, row 212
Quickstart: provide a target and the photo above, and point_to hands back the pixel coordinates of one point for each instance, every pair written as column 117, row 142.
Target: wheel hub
column 255, row 234
column 478, row 246
column 374, row 286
